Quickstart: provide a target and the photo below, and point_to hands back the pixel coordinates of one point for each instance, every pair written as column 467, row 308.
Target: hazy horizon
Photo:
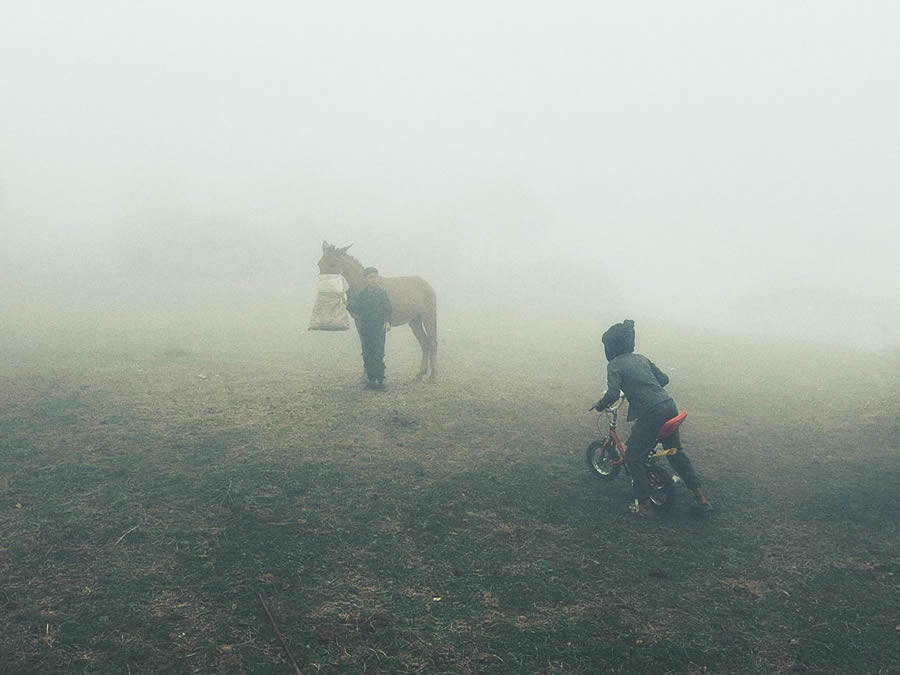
column 724, row 166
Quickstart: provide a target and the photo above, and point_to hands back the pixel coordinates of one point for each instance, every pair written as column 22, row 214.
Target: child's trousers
column 642, row 441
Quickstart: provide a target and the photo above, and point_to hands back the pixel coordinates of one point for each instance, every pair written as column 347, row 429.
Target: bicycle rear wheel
column 662, row 487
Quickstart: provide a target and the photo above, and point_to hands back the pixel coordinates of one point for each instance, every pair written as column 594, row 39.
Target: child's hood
column 619, row 339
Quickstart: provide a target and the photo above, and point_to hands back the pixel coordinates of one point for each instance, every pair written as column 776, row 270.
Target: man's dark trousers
column 371, row 335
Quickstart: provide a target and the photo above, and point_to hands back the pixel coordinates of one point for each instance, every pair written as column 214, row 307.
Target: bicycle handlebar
column 614, row 406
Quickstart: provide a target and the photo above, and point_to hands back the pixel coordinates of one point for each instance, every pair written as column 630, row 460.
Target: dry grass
column 145, row 501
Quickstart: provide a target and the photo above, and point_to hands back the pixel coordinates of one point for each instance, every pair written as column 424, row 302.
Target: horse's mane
column 347, row 255
column 334, row 249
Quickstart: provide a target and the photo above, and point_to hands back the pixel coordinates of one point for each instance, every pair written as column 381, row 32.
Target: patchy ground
column 150, row 497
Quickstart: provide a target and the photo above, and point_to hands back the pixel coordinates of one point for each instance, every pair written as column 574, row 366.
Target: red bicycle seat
column 671, row 426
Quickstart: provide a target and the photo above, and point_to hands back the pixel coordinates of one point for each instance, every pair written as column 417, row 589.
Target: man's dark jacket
column 371, row 306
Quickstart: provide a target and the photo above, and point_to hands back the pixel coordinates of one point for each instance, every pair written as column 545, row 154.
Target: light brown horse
column 412, row 299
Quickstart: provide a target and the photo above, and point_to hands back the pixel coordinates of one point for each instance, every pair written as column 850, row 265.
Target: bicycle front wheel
column 600, row 456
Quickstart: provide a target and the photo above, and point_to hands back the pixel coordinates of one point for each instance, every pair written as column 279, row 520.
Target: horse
column 413, row 301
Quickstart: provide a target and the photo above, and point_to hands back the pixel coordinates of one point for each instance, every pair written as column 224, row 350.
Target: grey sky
column 750, row 149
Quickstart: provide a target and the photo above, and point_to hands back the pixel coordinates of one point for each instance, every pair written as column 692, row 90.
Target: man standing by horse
column 413, row 301
column 372, row 310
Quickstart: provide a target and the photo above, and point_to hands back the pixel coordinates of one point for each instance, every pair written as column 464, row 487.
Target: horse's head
column 332, row 259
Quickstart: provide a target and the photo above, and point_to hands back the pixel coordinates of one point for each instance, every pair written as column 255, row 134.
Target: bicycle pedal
column 663, row 453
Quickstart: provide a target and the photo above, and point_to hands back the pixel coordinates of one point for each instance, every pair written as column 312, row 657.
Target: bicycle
column 606, row 456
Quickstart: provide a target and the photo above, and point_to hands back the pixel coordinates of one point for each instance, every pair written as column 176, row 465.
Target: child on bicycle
column 650, row 407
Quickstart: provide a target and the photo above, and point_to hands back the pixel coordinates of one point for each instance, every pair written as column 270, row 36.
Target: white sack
column 330, row 310
column 332, row 283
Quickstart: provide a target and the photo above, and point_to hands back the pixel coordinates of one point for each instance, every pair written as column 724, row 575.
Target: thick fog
column 727, row 165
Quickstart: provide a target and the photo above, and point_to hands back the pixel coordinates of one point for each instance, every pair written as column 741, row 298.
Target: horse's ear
column 325, row 246
column 345, row 248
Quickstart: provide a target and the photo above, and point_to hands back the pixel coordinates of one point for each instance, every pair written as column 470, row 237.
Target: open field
column 149, row 494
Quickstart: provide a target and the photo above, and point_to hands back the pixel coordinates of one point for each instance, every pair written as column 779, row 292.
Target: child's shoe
column 643, row 508
column 702, row 503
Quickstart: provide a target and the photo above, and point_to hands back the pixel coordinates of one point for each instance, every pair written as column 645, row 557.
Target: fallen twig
column 279, row 635
column 125, row 535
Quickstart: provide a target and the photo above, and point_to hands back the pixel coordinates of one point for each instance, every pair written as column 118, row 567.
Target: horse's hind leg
column 419, row 331
column 431, row 330
column 433, row 358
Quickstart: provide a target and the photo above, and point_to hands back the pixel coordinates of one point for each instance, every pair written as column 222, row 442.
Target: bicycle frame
column 612, row 416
